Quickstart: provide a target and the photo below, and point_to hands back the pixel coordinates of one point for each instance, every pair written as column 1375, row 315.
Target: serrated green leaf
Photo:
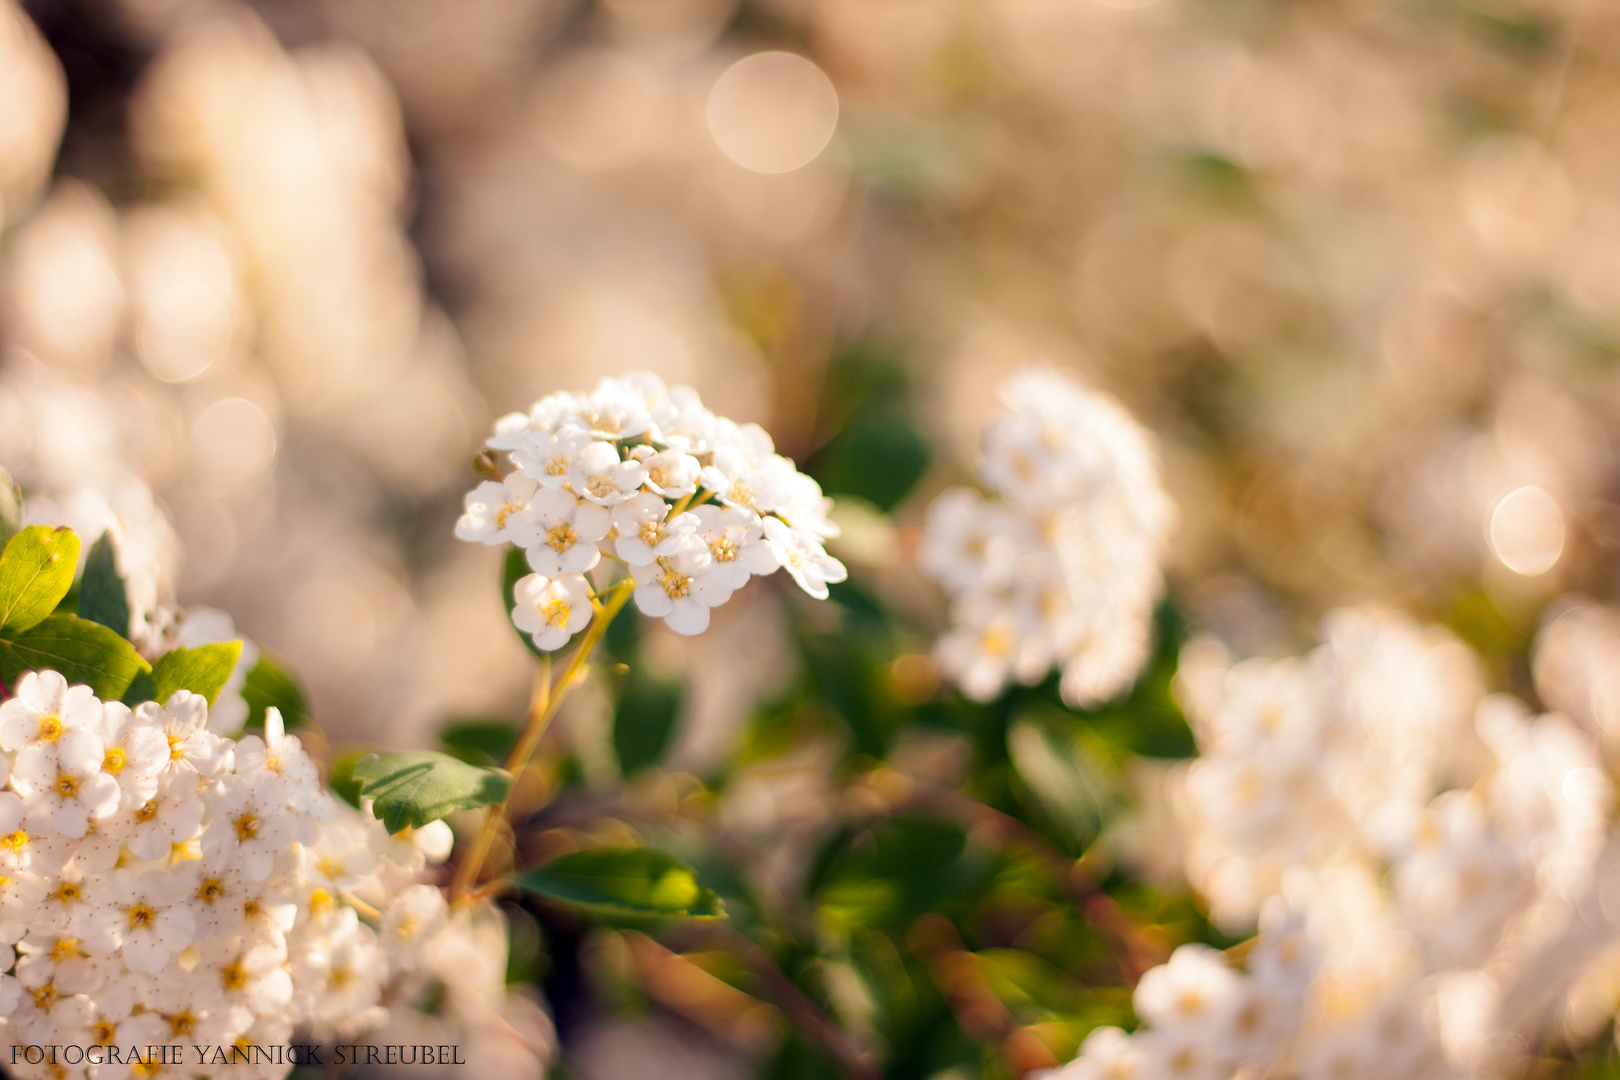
column 36, row 571
column 343, row 783
column 411, row 789
column 81, row 650
column 515, row 569
column 203, row 670
column 102, row 596
column 10, row 507
column 269, row 685
column 625, row 886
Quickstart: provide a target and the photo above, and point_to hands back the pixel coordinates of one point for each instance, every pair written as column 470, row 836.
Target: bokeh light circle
column 773, row 112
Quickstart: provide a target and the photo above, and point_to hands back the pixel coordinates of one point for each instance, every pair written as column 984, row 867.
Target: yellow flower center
column 103, row 1032
column 147, row 812
column 45, row 997
column 557, row 612
column 741, row 493
column 177, row 747
column 247, row 827
column 562, row 537
column 182, row 1024
column 67, row 785
column 14, row 841
column 723, row 550
column 601, row 486
column 50, row 728
column 65, row 948
column 140, row 916
column 652, row 533
column 211, row 890
column 114, row 761
column 233, row 976
column 341, row 977
column 68, row 892
column 320, row 900
column 673, row 582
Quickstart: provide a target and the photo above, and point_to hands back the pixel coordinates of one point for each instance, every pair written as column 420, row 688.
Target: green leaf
column 10, row 507
column 268, row 686
column 102, row 596
column 81, row 650
column 480, row 742
column 343, row 783
column 627, row 886
column 204, row 670
column 414, row 788
column 514, row 569
column 1070, row 777
column 644, row 722
column 36, row 571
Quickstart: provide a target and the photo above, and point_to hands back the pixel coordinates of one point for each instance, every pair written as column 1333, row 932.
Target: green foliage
column 343, row 783
column 36, row 572
column 103, row 597
column 10, row 507
column 203, row 670
column 878, row 450
column 480, row 742
column 82, row 651
column 268, row 686
column 625, row 886
column 899, row 870
column 410, row 789
column 1067, row 773
column 514, row 569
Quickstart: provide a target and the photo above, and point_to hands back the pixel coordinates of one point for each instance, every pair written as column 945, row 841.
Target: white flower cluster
column 1060, row 566
column 161, row 885
column 1203, row 1018
column 694, row 504
column 1443, row 854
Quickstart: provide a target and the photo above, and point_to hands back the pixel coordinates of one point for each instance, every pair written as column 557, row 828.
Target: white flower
column 193, row 749
column 45, row 708
column 682, row 423
column 134, row 755
column 760, row 484
column 804, row 558
column 411, row 919
column 680, row 589
column 617, row 408
column 62, row 784
column 736, row 541
column 559, row 533
column 551, row 610
column 600, row 475
column 281, row 756
column 672, row 473
column 643, row 533
column 250, row 823
column 1195, row 993
column 547, row 457
column 490, row 506
column 152, row 919
column 171, row 817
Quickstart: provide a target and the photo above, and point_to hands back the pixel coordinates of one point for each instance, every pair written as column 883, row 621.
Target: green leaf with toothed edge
column 81, row 650
column 102, row 596
column 203, row 670
column 36, row 571
column 625, row 886
column 413, row 788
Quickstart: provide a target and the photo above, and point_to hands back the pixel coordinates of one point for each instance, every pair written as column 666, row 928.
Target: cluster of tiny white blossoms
column 163, row 885
column 1445, row 855
column 1059, row 567
column 692, row 503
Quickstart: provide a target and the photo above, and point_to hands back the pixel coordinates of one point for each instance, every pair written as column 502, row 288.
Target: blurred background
column 269, row 272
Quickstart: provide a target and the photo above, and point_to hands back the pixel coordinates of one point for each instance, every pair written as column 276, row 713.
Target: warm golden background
column 1356, row 264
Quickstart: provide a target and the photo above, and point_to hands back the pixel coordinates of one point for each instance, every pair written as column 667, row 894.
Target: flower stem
column 548, row 698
